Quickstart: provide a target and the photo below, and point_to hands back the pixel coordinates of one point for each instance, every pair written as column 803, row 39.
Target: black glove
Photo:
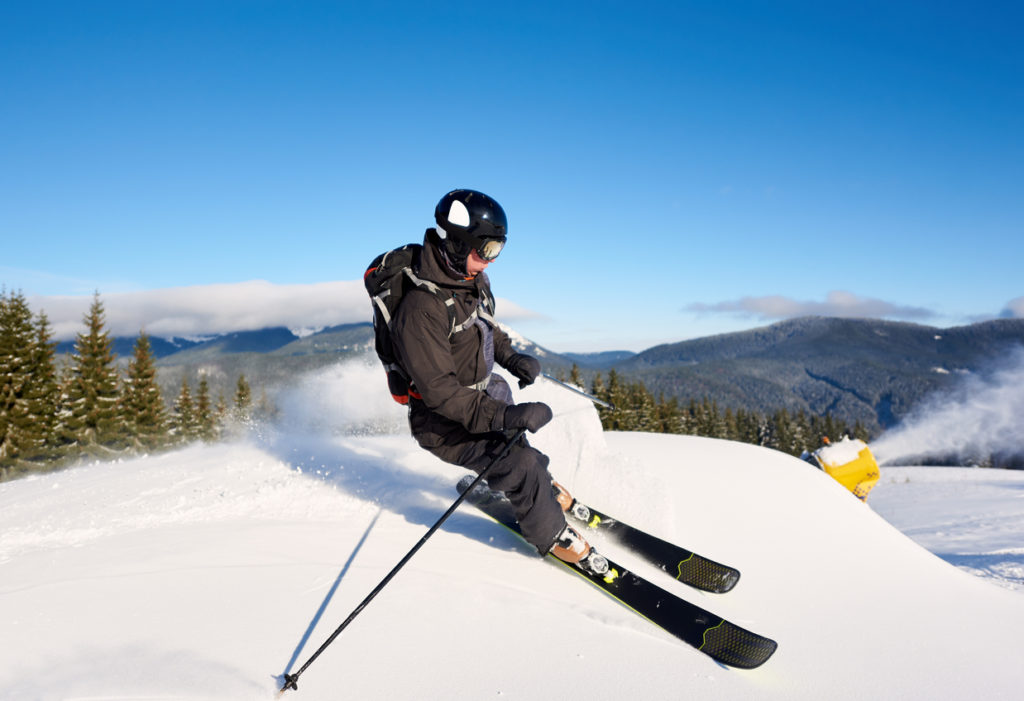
column 531, row 416
column 525, row 367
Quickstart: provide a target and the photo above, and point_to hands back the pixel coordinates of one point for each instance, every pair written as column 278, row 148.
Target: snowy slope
column 970, row 517
column 207, row 573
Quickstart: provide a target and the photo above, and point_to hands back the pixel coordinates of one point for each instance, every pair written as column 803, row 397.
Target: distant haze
column 204, row 310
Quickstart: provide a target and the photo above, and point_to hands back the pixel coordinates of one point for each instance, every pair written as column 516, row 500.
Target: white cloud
column 1014, row 309
column 204, row 310
column 210, row 309
column 837, row 303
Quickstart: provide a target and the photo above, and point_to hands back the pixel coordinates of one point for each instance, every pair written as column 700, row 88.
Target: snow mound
column 209, row 572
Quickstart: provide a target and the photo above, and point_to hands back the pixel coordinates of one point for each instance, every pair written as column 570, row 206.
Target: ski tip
column 707, row 575
column 728, row 581
column 737, row 647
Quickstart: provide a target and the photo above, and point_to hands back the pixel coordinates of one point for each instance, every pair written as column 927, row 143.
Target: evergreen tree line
column 52, row 416
column 636, row 409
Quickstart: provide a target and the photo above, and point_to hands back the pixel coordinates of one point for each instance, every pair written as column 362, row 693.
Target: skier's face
column 475, row 264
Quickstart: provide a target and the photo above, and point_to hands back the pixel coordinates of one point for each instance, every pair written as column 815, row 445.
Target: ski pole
column 577, row 390
column 291, row 680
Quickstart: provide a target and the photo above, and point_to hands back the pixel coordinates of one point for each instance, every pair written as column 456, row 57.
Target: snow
column 970, row 517
column 208, row 572
column 304, row 331
column 973, row 419
column 842, row 451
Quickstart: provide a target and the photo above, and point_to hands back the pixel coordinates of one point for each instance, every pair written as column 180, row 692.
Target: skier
column 459, row 409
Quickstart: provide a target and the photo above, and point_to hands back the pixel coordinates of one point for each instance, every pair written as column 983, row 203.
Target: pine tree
column 185, row 423
column 43, row 395
column 801, row 438
column 831, row 428
column 748, row 424
column 730, row 430
column 28, row 387
column 670, row 418
column 708, row 423
column 782, row 431
column 718, row 427
column 243, row 401
column 645, row 410
column 205, row 420
column 617, row 418
column 575, row 378
column 690, row 415
column 859, row 431
column 220, row 412
column 93, row 393
column 15, row 338
column 142, row 405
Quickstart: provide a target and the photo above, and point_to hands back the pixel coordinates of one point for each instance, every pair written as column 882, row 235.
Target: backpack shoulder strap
column 447, row 298
column 486, row 308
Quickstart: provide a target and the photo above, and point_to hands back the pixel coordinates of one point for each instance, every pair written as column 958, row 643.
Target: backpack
column 390, row 276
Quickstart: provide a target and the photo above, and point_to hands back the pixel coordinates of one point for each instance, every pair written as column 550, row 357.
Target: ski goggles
column 483, row 237
column 488, row 249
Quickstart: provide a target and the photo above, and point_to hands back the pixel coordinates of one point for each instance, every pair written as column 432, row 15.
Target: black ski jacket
column 447, row 368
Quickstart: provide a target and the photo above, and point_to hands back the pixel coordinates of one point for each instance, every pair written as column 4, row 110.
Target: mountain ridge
column 866, row 370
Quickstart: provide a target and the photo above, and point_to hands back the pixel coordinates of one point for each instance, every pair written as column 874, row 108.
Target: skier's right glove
column 525, row 367
column 531, row 416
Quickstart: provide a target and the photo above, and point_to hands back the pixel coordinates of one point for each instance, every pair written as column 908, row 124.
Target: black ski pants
column 522, row 474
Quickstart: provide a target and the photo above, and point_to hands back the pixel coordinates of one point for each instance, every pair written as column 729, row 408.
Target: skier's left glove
column 525, row 367
column 532, row 416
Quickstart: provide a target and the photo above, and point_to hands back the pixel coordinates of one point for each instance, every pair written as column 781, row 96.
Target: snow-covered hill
column 208, row 572
column 970, row 517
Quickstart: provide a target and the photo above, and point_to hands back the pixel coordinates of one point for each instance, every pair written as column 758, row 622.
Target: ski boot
column 571, row 547
column 568, row 503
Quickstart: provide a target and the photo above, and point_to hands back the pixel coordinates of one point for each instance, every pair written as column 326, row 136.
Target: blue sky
column 670, row 170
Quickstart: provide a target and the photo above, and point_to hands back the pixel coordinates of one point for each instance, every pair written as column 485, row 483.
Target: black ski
column 716, row 637
column 685, row 565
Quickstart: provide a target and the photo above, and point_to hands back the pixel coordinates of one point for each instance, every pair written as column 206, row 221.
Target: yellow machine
column 850, row 463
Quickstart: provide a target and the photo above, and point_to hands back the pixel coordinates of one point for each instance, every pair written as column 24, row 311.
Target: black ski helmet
column 468, row 220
